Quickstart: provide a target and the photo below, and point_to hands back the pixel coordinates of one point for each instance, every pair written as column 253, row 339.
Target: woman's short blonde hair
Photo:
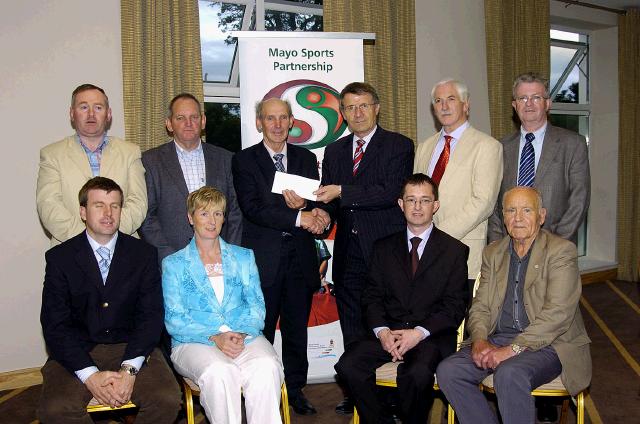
column 208, row 198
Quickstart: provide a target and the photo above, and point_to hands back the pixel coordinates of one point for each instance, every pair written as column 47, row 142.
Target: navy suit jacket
column 369, row 202
column 166, row 225
column 267, row 216
column 435, row 298
column 79, row 311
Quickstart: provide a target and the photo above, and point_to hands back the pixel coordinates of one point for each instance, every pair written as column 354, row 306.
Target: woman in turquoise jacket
column 214, row 312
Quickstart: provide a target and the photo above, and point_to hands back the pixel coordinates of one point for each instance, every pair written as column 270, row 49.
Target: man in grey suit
column 175, row 169
column 551, row 159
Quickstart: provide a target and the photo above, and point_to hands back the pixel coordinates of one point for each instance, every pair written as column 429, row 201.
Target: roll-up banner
column 309, row 69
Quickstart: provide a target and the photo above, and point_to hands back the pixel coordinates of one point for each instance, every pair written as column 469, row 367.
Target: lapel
column 370, row 154
column 293, row 161
column 198, row 275
column 400, row 253
column 550, row 147
column 511, row 147
column 171, row 164
column 345, row 158
column 501, row 266
column 230, row 271
column 536, row 258
column 87, row 261
column 431, row 252
column 120, row 263
column 78, row 156
column 265, row 163
column 462, row 153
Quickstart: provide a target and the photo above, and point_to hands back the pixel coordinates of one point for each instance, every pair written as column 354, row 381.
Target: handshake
column 315, row 221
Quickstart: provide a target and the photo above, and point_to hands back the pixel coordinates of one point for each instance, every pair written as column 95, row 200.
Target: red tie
column 357, row 157
column 438, row 171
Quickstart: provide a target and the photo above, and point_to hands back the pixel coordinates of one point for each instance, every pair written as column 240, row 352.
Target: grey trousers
column 513, row 379
column 64, row 397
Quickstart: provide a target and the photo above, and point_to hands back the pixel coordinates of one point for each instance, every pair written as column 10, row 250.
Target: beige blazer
column 552, row 291
column 64, row 168
column 468, row 189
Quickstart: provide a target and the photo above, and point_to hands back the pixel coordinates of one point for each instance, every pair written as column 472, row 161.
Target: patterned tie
column 527, row 171
column 105, row 261
column 415, row 241
column 279, row 165
column 443, row 160
column 357, row 157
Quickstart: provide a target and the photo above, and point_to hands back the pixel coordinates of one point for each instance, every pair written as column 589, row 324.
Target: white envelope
column 304, row 187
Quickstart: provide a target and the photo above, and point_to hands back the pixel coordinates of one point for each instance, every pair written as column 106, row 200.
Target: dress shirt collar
column 457, row 133
column 111, row 245
column 101, row 146
column 539, row 134
column 367, row 138
column 424, row 236
column 184, row 152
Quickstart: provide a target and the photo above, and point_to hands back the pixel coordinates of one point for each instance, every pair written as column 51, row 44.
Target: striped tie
column 105, row 261
column 527, row 172
column 357, row 157
column 279, row 165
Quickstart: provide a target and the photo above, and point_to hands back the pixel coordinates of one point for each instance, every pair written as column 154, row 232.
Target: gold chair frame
column 191, row 389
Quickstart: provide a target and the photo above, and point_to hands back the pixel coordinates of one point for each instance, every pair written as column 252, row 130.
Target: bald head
column 523, row 214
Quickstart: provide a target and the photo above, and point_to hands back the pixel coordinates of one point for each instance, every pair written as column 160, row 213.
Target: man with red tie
column 362, row 175
column 467, row 166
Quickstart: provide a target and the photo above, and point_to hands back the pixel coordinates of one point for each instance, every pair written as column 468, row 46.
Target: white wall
column 450, row 42
column 48, row 48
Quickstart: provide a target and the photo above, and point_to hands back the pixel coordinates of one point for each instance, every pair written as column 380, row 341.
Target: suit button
column 106, row 331
column 105, row 305
column 354, row 231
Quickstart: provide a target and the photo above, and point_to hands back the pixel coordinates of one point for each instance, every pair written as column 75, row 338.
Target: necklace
column 213, row 268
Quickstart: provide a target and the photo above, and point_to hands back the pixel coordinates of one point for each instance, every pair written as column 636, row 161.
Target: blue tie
column 279, row 165
column 104, row 262
column 527, row 172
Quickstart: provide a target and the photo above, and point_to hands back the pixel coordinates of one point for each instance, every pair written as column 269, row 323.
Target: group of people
column 222, row 260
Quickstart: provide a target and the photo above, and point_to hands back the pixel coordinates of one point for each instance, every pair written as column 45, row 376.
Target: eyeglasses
column 534, row 99
column 412, row 202
column 364, row 107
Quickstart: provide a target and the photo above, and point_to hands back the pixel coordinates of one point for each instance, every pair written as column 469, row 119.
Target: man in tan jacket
column 467, row 166
column 525, row 323
column 69, row 163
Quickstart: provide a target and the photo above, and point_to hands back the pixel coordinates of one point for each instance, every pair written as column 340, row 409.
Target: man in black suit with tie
column 279, row 228
column 414, row 300
column 102, row 315
column 175, row 169
column 361, row 178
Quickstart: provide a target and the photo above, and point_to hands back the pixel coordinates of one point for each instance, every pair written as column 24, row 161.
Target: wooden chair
column 554, row 388
column 191, row 389
column 387, row 374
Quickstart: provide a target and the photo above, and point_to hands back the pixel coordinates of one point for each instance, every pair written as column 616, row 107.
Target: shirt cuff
column 224, row 328
column 135, row 362
column 423, row 330
column 298, row 218
column 378, row 330
column 87, row 372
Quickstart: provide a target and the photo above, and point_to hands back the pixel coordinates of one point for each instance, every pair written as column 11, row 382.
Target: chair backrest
column 460, row 337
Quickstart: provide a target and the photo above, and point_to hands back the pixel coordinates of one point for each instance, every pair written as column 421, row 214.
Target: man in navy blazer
column 362, row 174
column 415, row 299
column 279, row 228
column 102, row 315
column 175, row 169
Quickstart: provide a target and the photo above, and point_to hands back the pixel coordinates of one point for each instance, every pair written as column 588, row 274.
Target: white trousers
column 255, row 374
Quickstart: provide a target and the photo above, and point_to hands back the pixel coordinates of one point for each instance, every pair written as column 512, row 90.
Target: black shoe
column 345, row 407
column 547, row 412
column 301, row 404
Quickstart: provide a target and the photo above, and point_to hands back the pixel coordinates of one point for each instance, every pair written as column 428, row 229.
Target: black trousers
column 64, row 397
column 357, row 369
column 289, row 299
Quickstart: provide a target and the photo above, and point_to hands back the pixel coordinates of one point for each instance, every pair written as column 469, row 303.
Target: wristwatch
column 517, row 349
column 129, row 369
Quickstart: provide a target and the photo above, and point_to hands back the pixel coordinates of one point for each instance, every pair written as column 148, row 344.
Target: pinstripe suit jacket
column 369, row 202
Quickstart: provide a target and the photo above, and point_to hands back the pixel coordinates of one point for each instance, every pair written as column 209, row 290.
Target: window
column 220, row 59
column 569, row 87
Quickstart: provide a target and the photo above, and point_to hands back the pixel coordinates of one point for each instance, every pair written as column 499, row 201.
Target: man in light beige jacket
column 525, row 322
column 66, row 165
column 467, row 166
